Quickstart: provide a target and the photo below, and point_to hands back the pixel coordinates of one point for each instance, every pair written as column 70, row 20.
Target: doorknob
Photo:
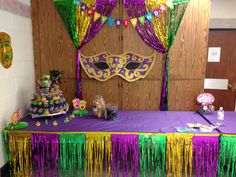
column 230, row 86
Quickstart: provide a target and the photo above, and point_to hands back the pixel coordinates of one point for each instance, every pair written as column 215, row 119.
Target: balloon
column 149, row 17
column 96, row 16
column 141, row 19
column 133, row 21
column 125, row 22
column 111, row 21
column 103, row 19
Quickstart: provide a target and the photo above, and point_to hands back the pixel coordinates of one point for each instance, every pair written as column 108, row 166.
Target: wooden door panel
column 189, row 50
column 141, row 95
column 183, row 94
column 223, row 98
column 109, row 90
column 225, row 69
column 68, row 88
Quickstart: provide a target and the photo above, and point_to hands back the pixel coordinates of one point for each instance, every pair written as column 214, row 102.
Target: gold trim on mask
column 118, row 66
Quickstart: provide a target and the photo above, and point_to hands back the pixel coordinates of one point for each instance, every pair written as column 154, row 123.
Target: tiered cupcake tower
column 48, row 99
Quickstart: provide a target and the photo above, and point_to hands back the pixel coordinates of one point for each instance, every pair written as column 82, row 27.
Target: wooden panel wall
column 54, row 49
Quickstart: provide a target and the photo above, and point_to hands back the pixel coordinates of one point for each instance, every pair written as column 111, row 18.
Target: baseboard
column 5, row 170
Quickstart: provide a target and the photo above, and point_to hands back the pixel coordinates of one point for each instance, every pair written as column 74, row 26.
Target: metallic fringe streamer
column 179, row 155
column 152, row 155
column 72, row 155
column 6, row 143
column 124, row 150
column 205, row 150
column 20, row 154
column 45, row 155
column 227, row 156
column 98, row 154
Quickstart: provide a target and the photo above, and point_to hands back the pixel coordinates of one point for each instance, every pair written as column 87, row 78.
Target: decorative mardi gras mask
column 5, row 50
column 129, row 66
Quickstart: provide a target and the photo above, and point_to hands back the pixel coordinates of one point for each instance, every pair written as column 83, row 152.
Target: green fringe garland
column 227, row 157
column 152, row 155
column 6, row 143
column 72, row 155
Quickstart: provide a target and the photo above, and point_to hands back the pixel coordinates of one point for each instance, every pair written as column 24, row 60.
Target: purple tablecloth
column 229, row 123
column 128, row 121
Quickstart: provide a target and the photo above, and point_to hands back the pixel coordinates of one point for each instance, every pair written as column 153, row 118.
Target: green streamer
column 227, row 156
column 152, row 155
column 67, row 12
column 72, row 155
column 6, row 143
column 176, row 2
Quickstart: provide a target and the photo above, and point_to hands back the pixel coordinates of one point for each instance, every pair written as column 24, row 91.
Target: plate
column 197, row 125
column 47, row 115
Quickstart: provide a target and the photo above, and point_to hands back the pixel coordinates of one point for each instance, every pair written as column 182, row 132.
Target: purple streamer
column 103, row 7
column 124, row 151
column 136, row 9
column 206, row 150
column 163, row 102
column 78, row 75
column 45, row 148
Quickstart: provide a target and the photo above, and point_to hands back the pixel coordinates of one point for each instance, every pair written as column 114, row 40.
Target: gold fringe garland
column 179, row 155
column 98, row 152
column 20, row 154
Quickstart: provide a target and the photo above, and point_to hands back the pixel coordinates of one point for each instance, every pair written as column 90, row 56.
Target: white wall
column 18, row 82
column 223, row 9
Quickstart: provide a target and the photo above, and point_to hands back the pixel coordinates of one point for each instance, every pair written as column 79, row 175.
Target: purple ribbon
column 124, row 151
column 45, row 148
column 205, row 150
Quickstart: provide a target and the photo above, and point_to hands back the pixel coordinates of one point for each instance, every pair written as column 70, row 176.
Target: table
column 139, row 142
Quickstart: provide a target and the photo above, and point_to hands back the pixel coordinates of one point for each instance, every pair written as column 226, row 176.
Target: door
column 225, row 69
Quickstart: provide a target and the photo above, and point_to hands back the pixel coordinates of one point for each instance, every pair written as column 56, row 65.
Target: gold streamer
column 83, row 20
column 179, row 155
column 20, row 154
column 159, row 24
column 98, row 152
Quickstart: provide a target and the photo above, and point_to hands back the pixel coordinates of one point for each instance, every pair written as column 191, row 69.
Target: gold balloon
column 159, row 24
column 83, row 20
column 5, row 50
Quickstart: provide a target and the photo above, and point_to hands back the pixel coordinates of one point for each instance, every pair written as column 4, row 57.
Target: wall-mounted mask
column 5, row 50
column 129, row 66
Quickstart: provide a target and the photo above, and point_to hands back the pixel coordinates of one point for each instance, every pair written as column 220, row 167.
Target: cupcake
column 61, row 101
column 56, row 109
column 51, row 109
column 35, row 110
column 40, row 111
column 45, row 105
column 40, row 103
column 46, row 111
column 44, row 98
column 51, row 103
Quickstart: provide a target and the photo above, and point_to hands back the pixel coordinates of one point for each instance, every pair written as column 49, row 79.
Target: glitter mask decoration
column 129, row 66
column 5, row 50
